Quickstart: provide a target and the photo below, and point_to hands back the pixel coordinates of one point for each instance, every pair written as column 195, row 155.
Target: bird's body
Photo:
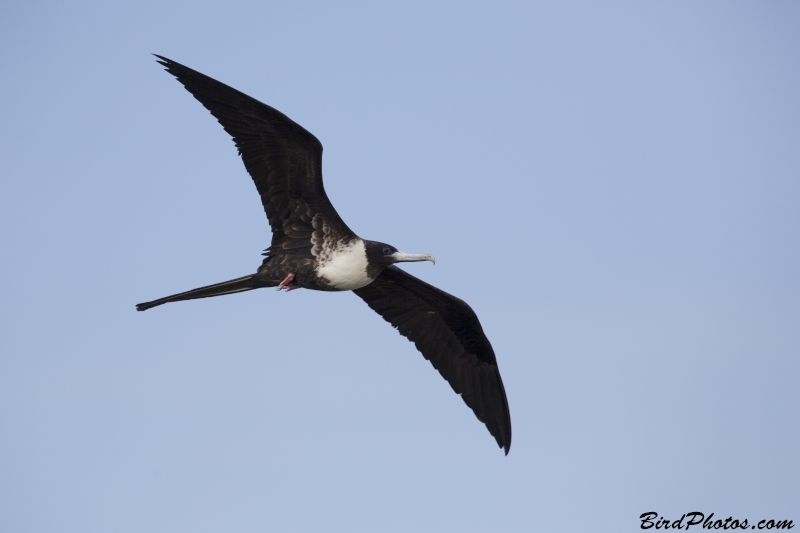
column 312, row 248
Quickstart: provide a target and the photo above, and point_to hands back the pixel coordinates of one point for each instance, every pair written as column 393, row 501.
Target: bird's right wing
column 284, row 160
column 447, row 333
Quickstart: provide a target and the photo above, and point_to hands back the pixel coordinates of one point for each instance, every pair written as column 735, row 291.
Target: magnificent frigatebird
column 312, row 248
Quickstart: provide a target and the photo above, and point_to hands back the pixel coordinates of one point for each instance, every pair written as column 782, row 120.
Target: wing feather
column 447, row 333
column 284, row 159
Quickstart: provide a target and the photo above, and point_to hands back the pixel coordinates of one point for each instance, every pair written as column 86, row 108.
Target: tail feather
column 226, row 287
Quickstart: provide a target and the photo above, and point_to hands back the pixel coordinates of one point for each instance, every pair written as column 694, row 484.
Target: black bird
column 312, row 248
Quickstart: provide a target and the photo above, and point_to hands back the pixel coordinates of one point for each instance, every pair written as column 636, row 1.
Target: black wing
column 447, row 332
column 284, row 160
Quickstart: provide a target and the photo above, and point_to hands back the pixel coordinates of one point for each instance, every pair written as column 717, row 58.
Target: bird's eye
column 387, row 251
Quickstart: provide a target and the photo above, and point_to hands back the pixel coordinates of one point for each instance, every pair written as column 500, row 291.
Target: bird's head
column 381, row 255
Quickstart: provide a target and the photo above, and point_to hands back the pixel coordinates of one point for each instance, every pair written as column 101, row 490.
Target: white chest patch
column 345, row 267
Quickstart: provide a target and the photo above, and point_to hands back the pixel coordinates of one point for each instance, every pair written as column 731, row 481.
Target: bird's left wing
column 284, row 160
column 447, row 333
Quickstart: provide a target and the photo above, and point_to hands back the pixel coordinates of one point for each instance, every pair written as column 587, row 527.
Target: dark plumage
column 313, row 248
column 448, row 334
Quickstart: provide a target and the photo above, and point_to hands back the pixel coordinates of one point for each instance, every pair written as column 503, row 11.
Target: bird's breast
column 344, row 266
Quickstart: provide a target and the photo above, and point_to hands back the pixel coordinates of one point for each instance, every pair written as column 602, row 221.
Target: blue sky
column 613, row 187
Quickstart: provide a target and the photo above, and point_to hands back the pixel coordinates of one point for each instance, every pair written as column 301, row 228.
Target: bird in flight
column 312, row 248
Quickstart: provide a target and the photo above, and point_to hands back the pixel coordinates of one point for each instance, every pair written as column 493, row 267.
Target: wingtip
column 164, row 61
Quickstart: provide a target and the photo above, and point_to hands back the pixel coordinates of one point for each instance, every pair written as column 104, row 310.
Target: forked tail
column 226, row 287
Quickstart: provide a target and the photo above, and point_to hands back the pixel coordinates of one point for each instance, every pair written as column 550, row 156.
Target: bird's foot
column 287, row 284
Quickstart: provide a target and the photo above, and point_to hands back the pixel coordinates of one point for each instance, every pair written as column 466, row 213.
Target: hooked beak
column 400, row 257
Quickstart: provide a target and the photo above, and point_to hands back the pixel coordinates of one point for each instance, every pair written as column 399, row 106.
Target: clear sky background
column 613, row 186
